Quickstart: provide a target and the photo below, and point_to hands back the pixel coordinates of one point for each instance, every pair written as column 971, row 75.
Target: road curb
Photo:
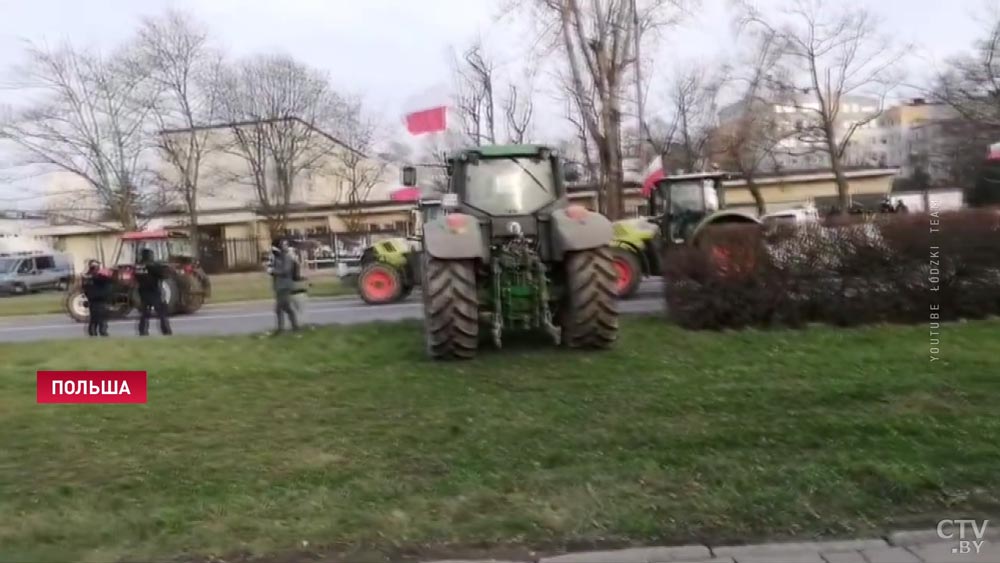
column 901, row 546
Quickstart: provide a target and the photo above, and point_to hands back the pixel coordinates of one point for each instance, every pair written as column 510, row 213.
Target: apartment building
column 910, row 132
column 803, row 150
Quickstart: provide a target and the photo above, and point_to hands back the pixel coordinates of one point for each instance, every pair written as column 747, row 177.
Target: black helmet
column 146, row 254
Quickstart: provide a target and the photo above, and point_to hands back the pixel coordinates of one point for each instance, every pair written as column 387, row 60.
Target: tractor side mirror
column 409, row 176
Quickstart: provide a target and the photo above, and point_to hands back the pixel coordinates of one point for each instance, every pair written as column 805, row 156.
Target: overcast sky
column 392, row 50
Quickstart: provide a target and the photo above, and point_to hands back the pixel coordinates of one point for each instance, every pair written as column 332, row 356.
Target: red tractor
column 184, row 292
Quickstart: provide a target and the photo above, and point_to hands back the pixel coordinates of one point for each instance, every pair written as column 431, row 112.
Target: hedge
column 896, row 268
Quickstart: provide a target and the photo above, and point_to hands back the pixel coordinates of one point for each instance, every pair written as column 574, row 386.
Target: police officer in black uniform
column 97, row 289
column 149, row 275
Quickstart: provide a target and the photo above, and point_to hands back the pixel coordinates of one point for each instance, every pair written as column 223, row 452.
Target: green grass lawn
column 349, row 439
column 226, row 288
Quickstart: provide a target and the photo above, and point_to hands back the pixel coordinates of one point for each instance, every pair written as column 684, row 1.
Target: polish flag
column 406, row 194
column 994, row 152
column 651, row 175
column 427, row 112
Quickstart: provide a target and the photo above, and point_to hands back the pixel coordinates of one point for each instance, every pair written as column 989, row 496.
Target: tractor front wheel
column 589, row 312
column 451, row 309
column 628, row 272
column 380, row 284
column 77, row 306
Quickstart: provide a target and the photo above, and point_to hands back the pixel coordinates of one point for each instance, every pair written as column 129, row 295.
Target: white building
column 803, row 150
column 907, row 133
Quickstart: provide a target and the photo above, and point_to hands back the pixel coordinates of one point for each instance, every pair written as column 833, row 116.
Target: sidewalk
column 917, row 546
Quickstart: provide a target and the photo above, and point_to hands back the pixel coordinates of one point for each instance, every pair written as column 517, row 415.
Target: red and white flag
column 427, row 112
column 431, row 120
column 651, row 175
column 994, row 152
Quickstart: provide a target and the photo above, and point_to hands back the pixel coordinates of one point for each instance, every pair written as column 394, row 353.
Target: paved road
column 244, row 318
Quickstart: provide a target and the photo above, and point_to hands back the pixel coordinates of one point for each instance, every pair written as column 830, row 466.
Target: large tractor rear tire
column 628, row 272
column 192, row 294
column 590, row 312
column 380, row 284
column 451, row 309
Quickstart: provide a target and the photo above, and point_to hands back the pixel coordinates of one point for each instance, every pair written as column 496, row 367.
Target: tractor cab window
column 157, row 246
column 690, row 202
column 179, row 247
column 693, row 196
column 509, row 186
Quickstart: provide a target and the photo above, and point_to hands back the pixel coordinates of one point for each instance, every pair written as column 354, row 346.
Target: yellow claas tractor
column 681, row 208
column 390, row 268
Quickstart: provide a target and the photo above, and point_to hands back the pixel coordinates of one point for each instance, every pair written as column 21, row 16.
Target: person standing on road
column 149, row 275
column 97, row 289
column 283, row 282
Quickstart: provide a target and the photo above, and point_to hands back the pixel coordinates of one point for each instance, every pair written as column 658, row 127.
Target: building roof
column 813, row 176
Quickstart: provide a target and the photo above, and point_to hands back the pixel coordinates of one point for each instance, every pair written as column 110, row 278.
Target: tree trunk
column 612, row 164
column 843, row 187
column 193, row 233
column 758, row 198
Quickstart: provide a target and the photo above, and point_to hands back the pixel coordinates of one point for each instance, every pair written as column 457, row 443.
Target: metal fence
column 327, row 250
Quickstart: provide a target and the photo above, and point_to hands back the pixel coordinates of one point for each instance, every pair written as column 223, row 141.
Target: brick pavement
column 910, row 546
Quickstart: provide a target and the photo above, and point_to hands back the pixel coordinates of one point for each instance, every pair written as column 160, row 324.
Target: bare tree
column 693, row 96
column 598, row 41
column 748, row 139
column 518, row 110
column 661, row 135
column 279, row 111
column 355, row 164
column 971, row 83
column 185, row 69
column 830, row 52
column 92, row 121
column 580, row 110
column 474, row 77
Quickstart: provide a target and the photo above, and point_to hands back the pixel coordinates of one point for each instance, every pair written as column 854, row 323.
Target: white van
column 28, row 272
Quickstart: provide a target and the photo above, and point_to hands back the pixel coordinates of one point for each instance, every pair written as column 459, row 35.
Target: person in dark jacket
column 282, row 271
column 149, row 276
column 97, row 289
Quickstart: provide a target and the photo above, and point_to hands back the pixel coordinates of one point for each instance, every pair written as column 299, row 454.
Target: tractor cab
column 170, row 247
column 507, row 187
column 679, row 204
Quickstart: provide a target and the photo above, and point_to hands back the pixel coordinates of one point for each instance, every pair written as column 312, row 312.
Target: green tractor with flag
column 682, row 208
column 506, row 251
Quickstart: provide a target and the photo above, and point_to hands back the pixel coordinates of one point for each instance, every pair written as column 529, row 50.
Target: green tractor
column 681, row 208
column 508, row 252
